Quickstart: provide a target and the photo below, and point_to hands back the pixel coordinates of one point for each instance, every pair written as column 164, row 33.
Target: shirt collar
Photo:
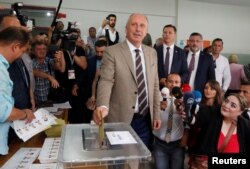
column 4, row 61
column 132, row 47
column 171, row 46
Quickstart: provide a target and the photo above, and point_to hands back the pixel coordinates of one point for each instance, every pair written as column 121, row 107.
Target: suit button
column 133, row 107
column 135, row 92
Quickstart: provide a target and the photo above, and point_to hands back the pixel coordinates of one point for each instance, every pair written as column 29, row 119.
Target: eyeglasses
column 214, row 63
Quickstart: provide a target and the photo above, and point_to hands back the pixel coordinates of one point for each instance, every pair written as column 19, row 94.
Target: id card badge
column 71, row 74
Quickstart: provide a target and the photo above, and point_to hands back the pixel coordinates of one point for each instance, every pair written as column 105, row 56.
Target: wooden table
column 15, row 145
column 36, row 141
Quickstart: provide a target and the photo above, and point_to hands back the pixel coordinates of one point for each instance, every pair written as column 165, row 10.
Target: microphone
column 188, row 98
column 186, row 88
column 177, row 93
column 197, row 99
column 165, row 93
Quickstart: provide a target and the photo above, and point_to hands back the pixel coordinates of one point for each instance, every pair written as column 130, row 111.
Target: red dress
column 232, row 146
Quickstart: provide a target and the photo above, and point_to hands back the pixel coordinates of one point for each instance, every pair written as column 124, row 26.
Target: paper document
column 23, row 158
column 120, row 137
column 65, row 105
column 43, row 120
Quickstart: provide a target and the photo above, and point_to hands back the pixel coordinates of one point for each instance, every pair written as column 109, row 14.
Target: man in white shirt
column 108, row 29
column 221, row 64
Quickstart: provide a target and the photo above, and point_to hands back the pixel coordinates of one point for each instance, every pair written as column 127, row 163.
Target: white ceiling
column 228, row 2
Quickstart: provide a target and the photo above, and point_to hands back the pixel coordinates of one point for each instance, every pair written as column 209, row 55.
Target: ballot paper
column 50, row 149
column 43, row 120
column 23, row 158
column 43, row 166
column 120, row 137
column 65, row 105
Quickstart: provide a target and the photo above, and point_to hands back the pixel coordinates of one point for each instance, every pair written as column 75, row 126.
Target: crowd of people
column 121, row 81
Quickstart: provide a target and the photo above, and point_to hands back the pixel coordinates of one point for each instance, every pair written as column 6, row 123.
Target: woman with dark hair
column 212, row 94
column 212, row 98
column 223, row 131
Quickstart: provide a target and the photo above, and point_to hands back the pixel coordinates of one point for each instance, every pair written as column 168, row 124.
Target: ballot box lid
column 80, row 146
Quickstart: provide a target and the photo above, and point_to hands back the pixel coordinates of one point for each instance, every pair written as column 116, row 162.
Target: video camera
column 68, row 39
column 16, row 10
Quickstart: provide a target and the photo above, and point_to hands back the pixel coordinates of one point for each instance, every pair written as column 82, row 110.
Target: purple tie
column 141, row 85
column 191, row 66
column 166, row 64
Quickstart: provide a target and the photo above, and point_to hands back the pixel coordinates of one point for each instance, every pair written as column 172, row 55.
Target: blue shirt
column 7, row 103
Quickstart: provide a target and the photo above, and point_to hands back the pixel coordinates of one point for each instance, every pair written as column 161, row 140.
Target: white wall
column 231, row 23
column 92, row 12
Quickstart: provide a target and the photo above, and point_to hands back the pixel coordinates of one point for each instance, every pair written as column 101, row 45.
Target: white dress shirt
column 112, row 35
column 133, row 54
column 222, row 72
column 171, row 55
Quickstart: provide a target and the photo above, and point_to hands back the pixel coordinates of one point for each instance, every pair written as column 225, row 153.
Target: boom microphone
column 188, row 102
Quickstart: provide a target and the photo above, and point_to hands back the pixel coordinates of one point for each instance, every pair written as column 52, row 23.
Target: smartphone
column 107, row 19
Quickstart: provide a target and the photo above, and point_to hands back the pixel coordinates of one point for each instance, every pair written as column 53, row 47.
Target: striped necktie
column 170, row 121
column 141, row 85
column 166, row 64
column 191, row 66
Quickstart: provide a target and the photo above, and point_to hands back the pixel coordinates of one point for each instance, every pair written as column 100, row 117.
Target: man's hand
column 54, row 82
column 29, row 115
column 58, row 56
column 156, row 124
column 164, row 105
column 74, row 90
column 163, row 81
column 98, row 113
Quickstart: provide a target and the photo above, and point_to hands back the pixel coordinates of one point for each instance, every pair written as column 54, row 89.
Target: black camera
column 68, row 39
column 16, row 10
column 22, row 18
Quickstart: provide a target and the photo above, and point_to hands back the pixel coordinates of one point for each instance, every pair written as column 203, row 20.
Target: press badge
column 71, row 74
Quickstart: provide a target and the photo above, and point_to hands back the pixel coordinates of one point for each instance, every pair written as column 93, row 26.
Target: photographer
column 108, row 29
column 74, row 76
column 44, row 68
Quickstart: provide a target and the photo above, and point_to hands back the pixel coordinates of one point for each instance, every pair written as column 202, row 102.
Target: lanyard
column 70, row 57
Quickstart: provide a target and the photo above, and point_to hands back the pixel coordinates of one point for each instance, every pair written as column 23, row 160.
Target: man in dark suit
column 118, row 92
column 245, row 92
column 200, row 64
column 171, row 58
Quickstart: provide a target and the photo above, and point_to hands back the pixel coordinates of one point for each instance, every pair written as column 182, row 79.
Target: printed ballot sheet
column 43, row 120
column 23, row 158
column 120, row 137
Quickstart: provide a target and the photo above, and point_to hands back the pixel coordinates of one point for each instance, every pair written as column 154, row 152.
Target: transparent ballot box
column 80, row 147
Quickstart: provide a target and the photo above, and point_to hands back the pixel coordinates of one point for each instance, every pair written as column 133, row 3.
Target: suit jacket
column 210, row 123
column 205, row 71
column 179, row 63
column 117, row 88
column 21, row 84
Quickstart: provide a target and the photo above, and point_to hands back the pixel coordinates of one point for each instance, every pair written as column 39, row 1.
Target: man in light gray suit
column 118, row 94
